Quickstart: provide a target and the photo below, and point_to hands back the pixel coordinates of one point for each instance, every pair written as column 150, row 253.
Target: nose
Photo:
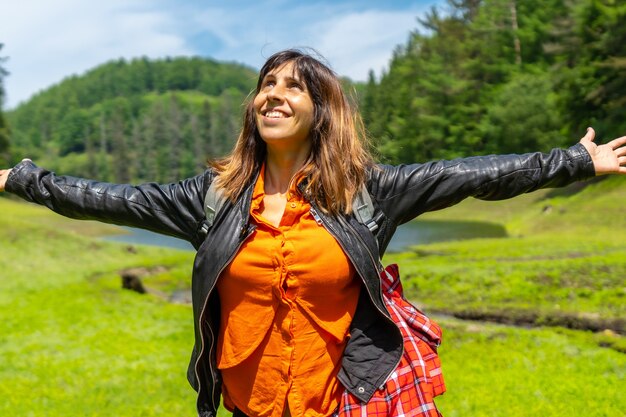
column 277, row 93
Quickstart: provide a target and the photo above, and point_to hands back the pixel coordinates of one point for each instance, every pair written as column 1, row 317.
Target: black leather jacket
column 400, row 193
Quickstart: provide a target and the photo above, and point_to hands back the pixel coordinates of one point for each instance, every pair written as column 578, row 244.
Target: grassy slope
column 496, row 371
column 566, row 256
column 73, row 343
column 566, row 263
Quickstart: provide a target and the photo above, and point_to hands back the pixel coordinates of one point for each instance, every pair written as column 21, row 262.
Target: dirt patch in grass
column 139, row 279
column 529, row 318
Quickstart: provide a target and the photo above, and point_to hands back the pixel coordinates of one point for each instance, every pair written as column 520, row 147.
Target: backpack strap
column 363, row 209
column 213, row 201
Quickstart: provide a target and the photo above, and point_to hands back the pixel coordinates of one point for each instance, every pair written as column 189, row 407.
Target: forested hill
column 138, row 120
column 483, row 76
column 500, row 76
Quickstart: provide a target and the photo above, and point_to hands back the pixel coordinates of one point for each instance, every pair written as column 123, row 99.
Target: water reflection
column 420, row 232
column 145, row 237
column 412, row 233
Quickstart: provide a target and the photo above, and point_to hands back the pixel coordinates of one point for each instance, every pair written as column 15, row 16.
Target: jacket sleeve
column 406, row 191
column 172, row 209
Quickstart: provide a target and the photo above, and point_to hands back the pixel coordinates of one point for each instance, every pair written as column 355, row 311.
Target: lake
column 413, row 233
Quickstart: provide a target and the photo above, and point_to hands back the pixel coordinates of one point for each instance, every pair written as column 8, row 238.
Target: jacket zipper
column 241, row 242
column 330, row 229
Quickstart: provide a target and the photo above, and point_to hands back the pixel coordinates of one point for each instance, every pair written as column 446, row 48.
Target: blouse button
column 293, row 205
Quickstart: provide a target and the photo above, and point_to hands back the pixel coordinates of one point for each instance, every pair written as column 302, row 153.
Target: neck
column 281, row 166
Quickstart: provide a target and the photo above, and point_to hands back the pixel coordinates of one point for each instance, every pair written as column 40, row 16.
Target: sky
column 46, row 41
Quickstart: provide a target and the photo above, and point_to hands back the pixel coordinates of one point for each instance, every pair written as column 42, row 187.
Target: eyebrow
column 293, row 77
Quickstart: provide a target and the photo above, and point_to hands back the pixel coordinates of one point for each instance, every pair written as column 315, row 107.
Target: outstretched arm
column 173, row 209
column 406, row 191
column 609, row 158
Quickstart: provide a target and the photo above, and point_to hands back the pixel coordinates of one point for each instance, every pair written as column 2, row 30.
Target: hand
column 609, row 158
column 4, row 174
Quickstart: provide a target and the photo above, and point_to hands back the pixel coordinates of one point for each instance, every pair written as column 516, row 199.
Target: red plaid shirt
column 410, row 389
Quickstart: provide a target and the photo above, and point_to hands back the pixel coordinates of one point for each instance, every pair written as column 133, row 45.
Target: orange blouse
column 287, row 300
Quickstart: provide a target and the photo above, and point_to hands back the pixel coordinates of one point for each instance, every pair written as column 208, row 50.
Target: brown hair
column 336, row 167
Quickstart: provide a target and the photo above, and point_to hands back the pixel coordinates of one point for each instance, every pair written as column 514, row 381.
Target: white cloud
column 357, row 42
column 47, row 41
column 225, row 25
column 353, row 41
column 255, row 32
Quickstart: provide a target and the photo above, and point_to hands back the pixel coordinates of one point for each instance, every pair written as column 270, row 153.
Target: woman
column 288, row 312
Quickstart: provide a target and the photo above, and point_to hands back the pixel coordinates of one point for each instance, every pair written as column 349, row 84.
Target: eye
column 295, row 85
column 268, row 83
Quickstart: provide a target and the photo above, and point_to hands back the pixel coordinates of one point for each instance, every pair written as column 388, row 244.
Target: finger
column 590, row 135
column 616, row 143
column 620, row 151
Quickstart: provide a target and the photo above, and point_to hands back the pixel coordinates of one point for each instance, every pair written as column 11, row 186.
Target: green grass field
column 494, row 371
column 73, row 343
column 564, row 266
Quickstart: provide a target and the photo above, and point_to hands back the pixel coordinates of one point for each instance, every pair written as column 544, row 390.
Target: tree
column 594, row 79
column 146, row 131
column 523, row 117
column 227, row 123
column 71, row 131
column 120, row 151
column 206, row 142
column 154, row 138
column 474, row 79
column 175, row 123
column 90, row 150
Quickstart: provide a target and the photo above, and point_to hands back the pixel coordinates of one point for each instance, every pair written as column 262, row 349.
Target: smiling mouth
column 275, row 114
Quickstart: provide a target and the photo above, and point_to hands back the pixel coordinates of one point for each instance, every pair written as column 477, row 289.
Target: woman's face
column 284, row 108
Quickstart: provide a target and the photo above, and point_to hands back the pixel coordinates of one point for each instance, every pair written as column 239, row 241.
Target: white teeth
column 274, row 114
